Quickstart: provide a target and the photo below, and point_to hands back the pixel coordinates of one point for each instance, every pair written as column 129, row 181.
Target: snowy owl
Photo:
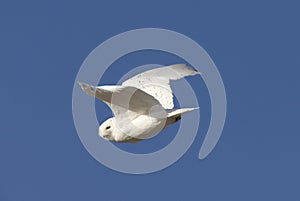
column 142, row 105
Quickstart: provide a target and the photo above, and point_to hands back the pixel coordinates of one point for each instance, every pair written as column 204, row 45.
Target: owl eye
column 108, row 127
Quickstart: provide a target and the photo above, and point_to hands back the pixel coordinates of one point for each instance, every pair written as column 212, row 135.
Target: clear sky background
column 255, row 45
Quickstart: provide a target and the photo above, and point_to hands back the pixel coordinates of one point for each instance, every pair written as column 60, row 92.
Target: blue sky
column 255, row 45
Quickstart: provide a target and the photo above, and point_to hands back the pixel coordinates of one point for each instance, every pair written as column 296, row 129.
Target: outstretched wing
column 123, row 100
column 156, row 82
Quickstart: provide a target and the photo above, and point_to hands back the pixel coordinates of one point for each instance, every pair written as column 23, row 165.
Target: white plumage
column 142, row 105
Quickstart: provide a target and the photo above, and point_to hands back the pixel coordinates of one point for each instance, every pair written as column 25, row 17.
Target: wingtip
column 193, row 69
column 82, row 85
column 195, row 108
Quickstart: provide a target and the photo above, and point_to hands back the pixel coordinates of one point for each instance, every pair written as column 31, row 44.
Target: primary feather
column 156, row 82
